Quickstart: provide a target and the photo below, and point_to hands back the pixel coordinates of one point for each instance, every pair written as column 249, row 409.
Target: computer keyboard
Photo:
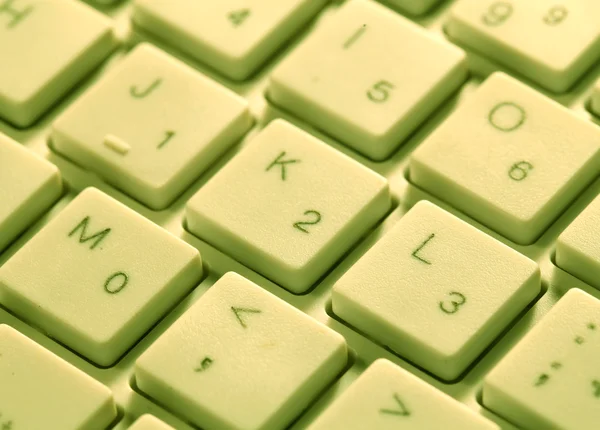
column 301, row 214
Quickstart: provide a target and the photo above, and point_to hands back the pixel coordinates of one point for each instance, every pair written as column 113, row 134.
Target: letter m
column 83, row 237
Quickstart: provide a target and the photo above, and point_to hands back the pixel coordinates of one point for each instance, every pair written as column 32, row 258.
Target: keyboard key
column 103, row 276
column 350, row 81
column 149, row 422
column 28, row 186
column 40, row 390
column 282, row 206
column 552, row 43
column 415, row 7
column 578, row 247
column 550, row 379
column 522, row 159
column 439, row 290
column 233, row 37
column 240, row 358
column 595, row 100
column 45, row 59
column 387, row 397
column 122, row 130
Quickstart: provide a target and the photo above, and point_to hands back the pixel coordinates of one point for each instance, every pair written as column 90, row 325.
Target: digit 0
column 520, row 170
column 556, row 15
column 497, row 13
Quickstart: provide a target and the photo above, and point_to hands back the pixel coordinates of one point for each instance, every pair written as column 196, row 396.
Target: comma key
column 244, row 359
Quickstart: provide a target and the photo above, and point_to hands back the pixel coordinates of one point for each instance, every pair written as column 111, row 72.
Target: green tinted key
column 40, row 391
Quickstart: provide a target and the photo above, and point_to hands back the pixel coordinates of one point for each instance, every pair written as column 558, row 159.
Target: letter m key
column 84, row 237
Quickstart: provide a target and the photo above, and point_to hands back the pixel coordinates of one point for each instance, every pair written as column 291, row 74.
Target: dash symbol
column 118, row 145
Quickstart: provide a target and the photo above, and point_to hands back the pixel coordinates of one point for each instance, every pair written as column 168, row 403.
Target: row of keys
column 235, row 338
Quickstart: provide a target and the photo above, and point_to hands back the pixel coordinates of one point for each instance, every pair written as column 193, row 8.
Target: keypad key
column 595, row 100
column 46, row 60
column 28, row 186
column 347, row 78
column 509, row 157
column 122, row 130
column 235, row 37
column 387, row 397
column 283, row 207
column 414, row 7
column 550, row 380
column 578, row 247
column 103, row 276
column 39, row 390
column 240, row 358
column 149, row 422
column 552, row 43
column 439, row 290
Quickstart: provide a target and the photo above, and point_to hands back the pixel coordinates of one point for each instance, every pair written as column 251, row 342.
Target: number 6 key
column 510, row 158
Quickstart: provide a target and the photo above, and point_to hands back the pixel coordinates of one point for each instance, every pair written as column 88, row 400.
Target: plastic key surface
column 578, row 246
column 39, row 390
column 509, row 157
column 103, row 275
column 436, row 290
column 46, row 55
column 387, row 397
column 149, row 422
column 240, row 358
column 123, row 129
column 552, row 43
column 28, row 186
column 550, row 379
column 349, row 80
column 235, row 37
column 283, row 206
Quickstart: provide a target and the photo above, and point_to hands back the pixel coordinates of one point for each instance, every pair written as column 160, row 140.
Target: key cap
column 520, row 161
column 235, row 37
column 386, row 397
column 29, row 185
column 578, row 246
column 103, row 276
column 122, row 130
column 149, row 422
column 282, row 206
column 439, row 290
column 552, row 43
column 245, row 359
column 39, row 389
column 350, row 81
column 595, row 100
column 550, row 379
column 45, row 59
column 414, row 7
